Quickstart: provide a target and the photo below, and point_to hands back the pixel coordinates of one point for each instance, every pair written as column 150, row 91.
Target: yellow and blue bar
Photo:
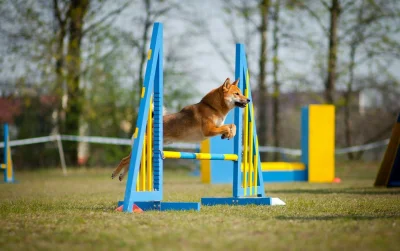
column 199, row 156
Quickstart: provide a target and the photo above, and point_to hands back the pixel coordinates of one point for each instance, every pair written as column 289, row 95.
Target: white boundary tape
column 21, row 142
column 362, row 147
column 100, row 140
column 122, row 141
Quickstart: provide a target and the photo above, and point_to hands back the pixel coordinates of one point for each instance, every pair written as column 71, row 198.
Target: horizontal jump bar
column 203, row 156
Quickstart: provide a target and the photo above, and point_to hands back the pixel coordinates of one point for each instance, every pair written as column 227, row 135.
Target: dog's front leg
column 231, row 134
column 227, row 131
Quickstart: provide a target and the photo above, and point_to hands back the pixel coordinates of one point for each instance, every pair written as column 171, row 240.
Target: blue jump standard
column 165, row 206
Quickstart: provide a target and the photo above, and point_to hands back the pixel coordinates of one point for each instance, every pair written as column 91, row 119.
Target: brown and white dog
column 197, row 122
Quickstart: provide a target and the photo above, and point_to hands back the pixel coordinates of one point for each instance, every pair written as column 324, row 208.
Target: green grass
column 46, row 211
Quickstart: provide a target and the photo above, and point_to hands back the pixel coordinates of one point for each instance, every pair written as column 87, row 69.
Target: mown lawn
column 47, row 211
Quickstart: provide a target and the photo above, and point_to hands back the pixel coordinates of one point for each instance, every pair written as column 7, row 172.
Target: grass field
column 47, row 211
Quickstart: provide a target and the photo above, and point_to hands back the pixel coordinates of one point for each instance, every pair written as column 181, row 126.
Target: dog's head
column 232, row 95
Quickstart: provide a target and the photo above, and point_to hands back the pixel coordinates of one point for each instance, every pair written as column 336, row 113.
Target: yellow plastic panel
column 321, row 138
column 205, row 165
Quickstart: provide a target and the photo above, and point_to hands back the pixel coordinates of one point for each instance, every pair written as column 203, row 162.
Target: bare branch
column 106, row 17
column 165, row 10
column 317, row 18
column 347, row 6
column 58, row 12
column 325, row 4
column 223, row 56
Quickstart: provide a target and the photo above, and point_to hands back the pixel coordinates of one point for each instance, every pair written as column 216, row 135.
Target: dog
column 197, row 122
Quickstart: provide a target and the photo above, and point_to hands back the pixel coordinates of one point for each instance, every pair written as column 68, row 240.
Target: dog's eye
column 237, row 93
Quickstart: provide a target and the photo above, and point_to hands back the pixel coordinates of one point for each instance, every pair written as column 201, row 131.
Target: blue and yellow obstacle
column 144, row 186
column 389, row 171
column 317, row 158
column 7, row 166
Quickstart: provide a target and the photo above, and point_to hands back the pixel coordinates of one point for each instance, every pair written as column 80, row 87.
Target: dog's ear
column 236, row 82
column 226, row 84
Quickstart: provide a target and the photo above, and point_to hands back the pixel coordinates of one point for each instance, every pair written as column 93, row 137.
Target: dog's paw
column 233, row 131
column 112, row 176
column 121, row 177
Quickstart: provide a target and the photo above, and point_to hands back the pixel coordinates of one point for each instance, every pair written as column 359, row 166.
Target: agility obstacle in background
column 317, row 152
column 389, row 172
column 144, row 187
column 7, row 166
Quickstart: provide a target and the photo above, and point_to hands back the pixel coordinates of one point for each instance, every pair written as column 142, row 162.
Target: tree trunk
column 77, row 13
column 60, row 79
column 276, row 95
column 262, row 85
column 347, row 101
column 333, row 44
column 59, row 56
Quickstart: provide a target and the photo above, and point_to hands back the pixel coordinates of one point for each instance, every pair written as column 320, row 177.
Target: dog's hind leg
column 124, row 172
column 124, row 162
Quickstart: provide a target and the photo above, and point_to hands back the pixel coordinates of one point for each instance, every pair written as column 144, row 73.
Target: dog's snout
column 248, row 100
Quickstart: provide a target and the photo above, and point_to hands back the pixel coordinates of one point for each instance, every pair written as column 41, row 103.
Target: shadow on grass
column 336, row 217
column 358, row 190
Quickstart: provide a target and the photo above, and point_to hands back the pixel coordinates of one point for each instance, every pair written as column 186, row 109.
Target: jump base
column 165, row 206
column 267, row 201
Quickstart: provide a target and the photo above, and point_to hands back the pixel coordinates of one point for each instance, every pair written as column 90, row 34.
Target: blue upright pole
column 237, row 189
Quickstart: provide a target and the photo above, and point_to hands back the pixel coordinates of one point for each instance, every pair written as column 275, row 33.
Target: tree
column 78, row 10
column 276, row 93
column 152, row 13
column 334, row 11
column 262, row 78
column 366, row 36
column 61, row 11
column 78, row 28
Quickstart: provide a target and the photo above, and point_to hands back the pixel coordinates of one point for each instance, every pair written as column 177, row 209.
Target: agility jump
column 7, row 166
column 317, row 153
column 144, row 187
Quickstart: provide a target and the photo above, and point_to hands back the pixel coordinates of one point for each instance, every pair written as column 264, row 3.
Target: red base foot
column 337, row 180
column 136, row 209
